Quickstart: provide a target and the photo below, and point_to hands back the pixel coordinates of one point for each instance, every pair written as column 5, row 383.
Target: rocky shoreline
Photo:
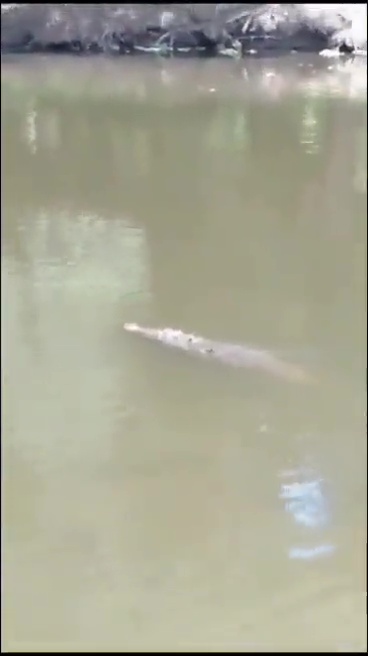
column 184, row 29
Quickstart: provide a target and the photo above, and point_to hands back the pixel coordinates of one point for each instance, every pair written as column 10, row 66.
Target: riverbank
column 184, row 29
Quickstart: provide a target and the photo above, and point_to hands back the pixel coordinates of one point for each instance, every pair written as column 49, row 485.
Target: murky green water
column 149, row 500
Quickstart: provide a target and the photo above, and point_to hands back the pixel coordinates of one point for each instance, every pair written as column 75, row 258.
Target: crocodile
column 235, row 355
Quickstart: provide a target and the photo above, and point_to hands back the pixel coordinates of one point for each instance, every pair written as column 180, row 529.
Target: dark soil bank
column 202, row 29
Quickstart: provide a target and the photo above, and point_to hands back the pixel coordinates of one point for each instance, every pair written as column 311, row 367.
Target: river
column 151, row 501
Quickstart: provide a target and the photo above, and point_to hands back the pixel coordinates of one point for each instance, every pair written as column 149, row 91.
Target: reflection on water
column 151, row 500
column 81, row 252
column 306, row 502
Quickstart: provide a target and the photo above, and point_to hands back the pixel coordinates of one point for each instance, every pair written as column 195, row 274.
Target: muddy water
column 150, row 501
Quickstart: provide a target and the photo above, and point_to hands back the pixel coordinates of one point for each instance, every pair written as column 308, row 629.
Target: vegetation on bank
column 183, row 29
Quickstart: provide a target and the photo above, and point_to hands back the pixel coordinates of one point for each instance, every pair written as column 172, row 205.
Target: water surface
column 151, row 501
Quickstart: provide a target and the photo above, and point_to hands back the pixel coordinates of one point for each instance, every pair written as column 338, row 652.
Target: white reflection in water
column 306, row 502
column 308, row 553
column 310, row 138
column 30, row 129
